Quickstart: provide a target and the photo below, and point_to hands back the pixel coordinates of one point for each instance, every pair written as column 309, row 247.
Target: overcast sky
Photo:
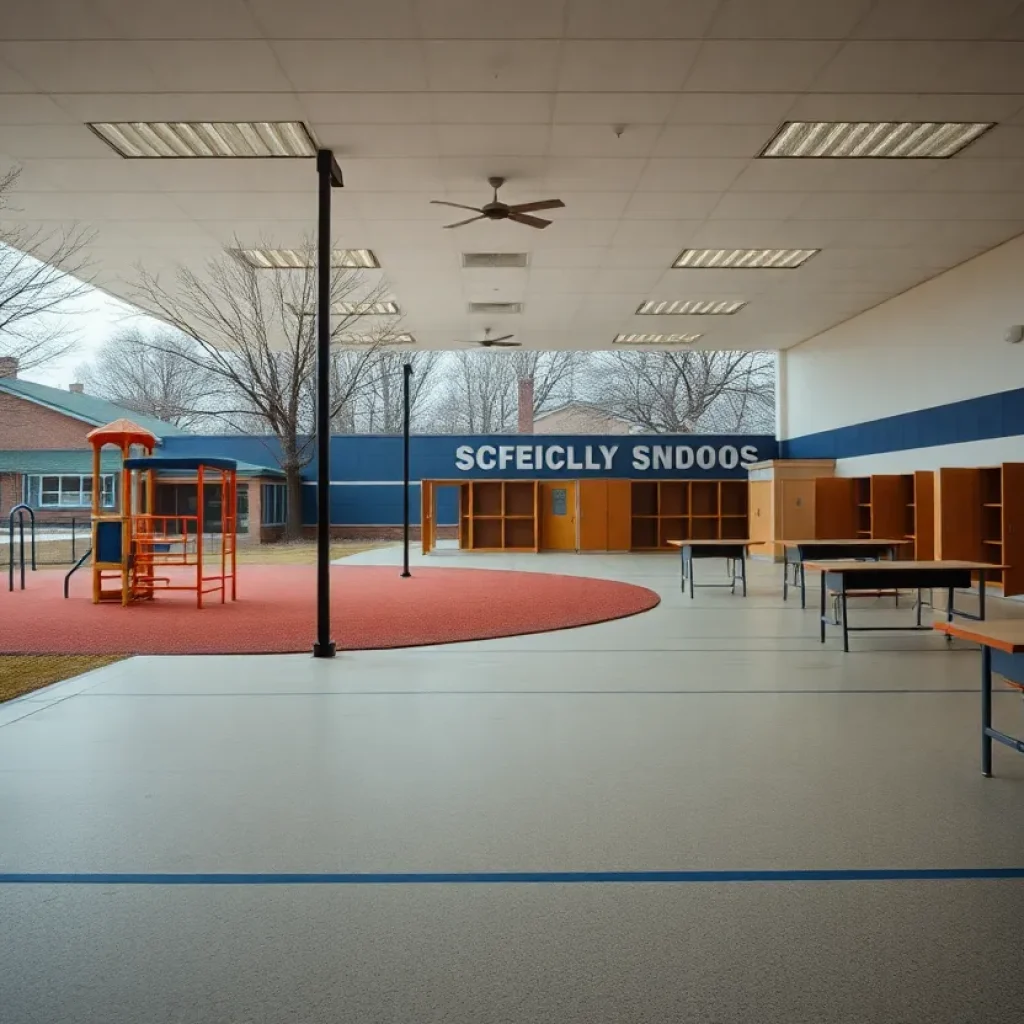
column 100, row 316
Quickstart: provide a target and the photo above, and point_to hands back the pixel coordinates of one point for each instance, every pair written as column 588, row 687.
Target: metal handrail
column 20, row 510
column 78, row 565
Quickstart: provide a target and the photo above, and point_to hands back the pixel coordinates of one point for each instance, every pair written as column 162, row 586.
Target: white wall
column 937, row 343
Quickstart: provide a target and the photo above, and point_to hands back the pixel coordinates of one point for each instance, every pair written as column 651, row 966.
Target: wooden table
column 1002, row 651
column 948, row 575
column 733, row 551
column 799, row 552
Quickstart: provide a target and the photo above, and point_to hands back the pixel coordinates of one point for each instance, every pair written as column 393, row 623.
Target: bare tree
column 43, row 275
column 160, row 377
column 481, row 394
column 379, row 407
column 684, row 392
column 254, row 331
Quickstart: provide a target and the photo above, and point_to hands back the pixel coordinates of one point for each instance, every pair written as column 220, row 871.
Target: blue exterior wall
column 366, row 470
column 974, row 419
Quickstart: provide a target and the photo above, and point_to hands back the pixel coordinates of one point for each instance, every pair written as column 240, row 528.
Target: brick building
column 46, row 461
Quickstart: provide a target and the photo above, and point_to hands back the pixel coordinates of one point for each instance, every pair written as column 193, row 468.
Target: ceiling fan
column 497, row 210
column 488, row 342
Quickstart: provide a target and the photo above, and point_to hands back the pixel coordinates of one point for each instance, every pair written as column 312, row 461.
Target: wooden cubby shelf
column 667, row 510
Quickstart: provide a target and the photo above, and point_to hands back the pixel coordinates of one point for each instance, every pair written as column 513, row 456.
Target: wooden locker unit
column 958, row 514
column 923, row 515
column 892, row 507
column 835, row 508
column 593, row 499
column 619, row 497
column 668, row 510
column 1013, row 527
column 782, row 502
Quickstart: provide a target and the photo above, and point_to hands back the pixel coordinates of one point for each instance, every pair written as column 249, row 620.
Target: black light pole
column 328, row 177
column 406, row 375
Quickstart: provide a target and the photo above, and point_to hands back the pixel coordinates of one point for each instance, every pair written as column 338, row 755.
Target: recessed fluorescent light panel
column 743, row 259
column 387, row 308
column 656, row 339
column 493, row 260
column 690, row 307
column 148, row 140
column 301, row 259
column 371, row 339
column 892, row 140
column 495, row 307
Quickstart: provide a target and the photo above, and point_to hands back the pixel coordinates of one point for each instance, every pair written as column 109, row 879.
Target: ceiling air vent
column 495, row 307
column 493, row 260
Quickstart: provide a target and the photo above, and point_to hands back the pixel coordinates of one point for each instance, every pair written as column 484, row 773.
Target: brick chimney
column 526, row 406
column 8, row 366
column 76, row 389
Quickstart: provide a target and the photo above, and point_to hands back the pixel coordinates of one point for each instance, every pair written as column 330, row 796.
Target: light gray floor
column 715, row 734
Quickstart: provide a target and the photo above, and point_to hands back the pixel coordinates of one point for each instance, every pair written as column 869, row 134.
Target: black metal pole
column 406, row 375
column 327, row 177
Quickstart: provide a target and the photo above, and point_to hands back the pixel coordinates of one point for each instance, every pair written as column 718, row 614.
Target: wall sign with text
column 613, row 457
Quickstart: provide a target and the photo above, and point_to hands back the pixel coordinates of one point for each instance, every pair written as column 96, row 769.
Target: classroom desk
column 947, row 575
column 733, row 551
column 799, row 552
column 1002, row 651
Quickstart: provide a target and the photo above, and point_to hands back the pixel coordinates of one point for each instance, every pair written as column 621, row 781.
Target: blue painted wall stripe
column 514, row 877
column 974, row 419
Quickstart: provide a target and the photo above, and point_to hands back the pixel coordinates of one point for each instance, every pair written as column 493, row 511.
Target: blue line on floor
column 510, row 877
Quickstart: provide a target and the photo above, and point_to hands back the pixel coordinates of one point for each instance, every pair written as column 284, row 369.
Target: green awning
column 43, row 461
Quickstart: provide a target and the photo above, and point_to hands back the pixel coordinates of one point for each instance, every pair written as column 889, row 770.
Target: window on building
column 66, row 491
column 242, row 509
column 274, row 504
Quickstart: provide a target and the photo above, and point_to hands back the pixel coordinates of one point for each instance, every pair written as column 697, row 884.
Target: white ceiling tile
column 53, row 141
column 569, row 258
column 486, row 66
column 936, row 19
column 54, row 19
column 842, row 206
column 595, row 174
column 627, row 281
column 93, row 208
column 224, row 175
column 223, row 206
column 563, row 234
column 712, row 282
column 976, row 176
column 730, row 108
column 366, row 141
column 954, row 206
column 90, row 175
column 851, row 107
column 736, row 205
column 783, row 175
column 613, row 108
column 603, row 140
column 712, row 175
column 417, row 233
column 184, row 19
column 761, row 66
column 639, row 19
column 343, row 65
column 650, row 66
column 229, row 65
column 762, row 234
column 710, row 140
column 580, row 205
column 524, row 175
column 93, row 66
column 419, row 261
column 387, row 175
column 170, row 106
column 967, row 107
column 370, row 206
column 490, row 139
column 642, row 234
column 183, row 234
column 470, row 19
column 336, row 19
column 659, row 257
column 939, row 67
column 553, row 281
column 877, row 175
column 673, row 205
column 489, row 108
column 11, row 81
column 31, row 109
column 787, row 19
column 365, row 107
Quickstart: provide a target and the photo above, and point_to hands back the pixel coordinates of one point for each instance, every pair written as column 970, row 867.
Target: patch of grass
column 22, row 673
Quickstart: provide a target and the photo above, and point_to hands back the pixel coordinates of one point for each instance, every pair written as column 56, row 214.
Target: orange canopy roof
column 122, row 432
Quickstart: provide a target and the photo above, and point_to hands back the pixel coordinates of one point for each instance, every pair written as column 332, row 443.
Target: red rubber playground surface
column 372, row 608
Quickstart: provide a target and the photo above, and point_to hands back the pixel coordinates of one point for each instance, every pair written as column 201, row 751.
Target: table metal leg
column 846, row 633
column 981, row 595
column 682, row 557
column 803, row 585
column 785, row 577
column 986, row 711
column 822, row 607
column 690, row 573
column 919, row 606
column 949, row 605
column 743, row 570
